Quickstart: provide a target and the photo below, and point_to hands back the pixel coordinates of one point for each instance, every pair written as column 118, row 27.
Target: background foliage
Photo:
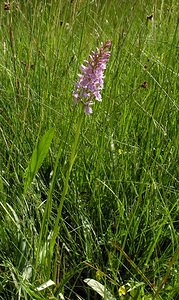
column 119, row 221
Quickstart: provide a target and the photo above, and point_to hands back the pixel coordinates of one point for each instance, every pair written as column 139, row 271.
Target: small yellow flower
column 99, row 275
column 120, row 151
column 122, row 290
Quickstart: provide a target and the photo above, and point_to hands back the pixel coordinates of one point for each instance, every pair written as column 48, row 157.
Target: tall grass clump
column 89, row 201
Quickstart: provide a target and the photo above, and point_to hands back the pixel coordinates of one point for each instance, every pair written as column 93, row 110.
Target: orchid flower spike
column 91, row 79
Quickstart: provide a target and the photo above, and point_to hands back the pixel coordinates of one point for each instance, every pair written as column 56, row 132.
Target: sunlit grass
column 119, row 222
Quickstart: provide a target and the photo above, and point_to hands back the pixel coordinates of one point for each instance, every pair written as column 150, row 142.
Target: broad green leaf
column 45, row 285
column 38, row 157
column 99, row 288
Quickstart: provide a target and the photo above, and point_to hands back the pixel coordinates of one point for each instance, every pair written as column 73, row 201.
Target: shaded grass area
column 119, row 222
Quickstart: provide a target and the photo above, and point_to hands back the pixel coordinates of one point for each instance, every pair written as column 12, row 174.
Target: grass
column 117, row 182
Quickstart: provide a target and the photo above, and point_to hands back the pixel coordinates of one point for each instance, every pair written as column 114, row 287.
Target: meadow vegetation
column 89, row 196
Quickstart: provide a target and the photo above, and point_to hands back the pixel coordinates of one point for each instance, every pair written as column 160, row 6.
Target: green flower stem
column 48, row 207
column 65, row 189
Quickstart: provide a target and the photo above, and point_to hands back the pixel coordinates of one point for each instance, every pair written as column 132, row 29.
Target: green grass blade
column 38, row 157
